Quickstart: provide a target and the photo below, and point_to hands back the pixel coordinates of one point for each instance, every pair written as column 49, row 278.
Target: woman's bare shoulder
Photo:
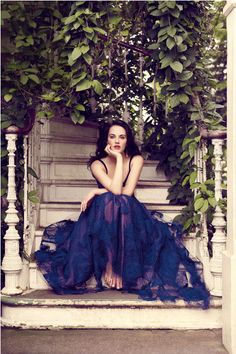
column 97, row 164
column 138, row 159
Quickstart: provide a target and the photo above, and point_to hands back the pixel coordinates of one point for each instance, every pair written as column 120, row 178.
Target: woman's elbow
column 128, row 192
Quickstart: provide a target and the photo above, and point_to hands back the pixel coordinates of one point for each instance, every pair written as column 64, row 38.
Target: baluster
column 24, row 274
column 202, row 242
column 12, row 263
column 219, row 237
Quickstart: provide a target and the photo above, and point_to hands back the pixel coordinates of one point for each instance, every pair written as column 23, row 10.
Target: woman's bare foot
column 112, row 280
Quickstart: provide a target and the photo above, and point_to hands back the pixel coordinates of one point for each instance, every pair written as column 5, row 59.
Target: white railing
column 219, row 238
column 31, row 210
column 212, row 267
column 202, row 242
column 12, row 263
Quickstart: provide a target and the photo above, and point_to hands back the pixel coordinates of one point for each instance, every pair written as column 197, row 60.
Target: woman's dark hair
column 131, row 147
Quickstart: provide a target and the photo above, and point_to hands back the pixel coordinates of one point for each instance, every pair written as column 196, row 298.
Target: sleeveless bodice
column 126, row 178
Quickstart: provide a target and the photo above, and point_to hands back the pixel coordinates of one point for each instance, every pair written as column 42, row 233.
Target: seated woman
column 117, row 237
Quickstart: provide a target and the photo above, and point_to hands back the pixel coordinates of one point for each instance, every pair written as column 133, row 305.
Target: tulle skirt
column 146, row 252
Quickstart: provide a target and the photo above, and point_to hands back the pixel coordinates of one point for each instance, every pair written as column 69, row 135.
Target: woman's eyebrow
column 115, row 134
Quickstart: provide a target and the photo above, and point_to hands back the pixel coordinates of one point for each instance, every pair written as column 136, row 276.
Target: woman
column 116, row 237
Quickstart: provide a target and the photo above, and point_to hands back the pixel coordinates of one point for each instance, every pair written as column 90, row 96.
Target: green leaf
column 187, row 224
column 8, row 97
column 205, row 206
column 88, row 58
column 184, row 155
column 69, row 19
column 114, row 20
column 182, row 48
column 84, row 49
column 196, row 219
column 177, row 66
column 185, row 180
column 186, row 141
column 3, row 191
column 195, row 116
column 4, row 151
column 5, row 15
column 185, row 75
column 77, row 117
column 76, row 53
column 174, row 101
column 3, row 181
column 80, row 107
column 192, row 149
column 156, row 13
column 6, row 124
column 153, row 46
column 212, row 201
column 83, row 85
column 78, row 79
column 31, row 172
column 178, row 40
column 34, row 78
column 170, row 43
column 88, row 29
column 24, row 79
column 193, row 177
column 171, row 4
column 33, row 196
column 166, row 61
column 171, row 31
column 98, row 88
column 198, row 204
column 183, row 98
column 100, row 30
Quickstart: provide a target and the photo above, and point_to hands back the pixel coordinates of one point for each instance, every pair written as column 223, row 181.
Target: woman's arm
column 90, row 196
column 136, row 168
column 114, row 184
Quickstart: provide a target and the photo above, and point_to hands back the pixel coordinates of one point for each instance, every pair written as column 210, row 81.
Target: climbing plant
column 68, row 58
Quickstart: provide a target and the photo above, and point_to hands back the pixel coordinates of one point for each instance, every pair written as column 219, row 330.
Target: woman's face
column 117, row 138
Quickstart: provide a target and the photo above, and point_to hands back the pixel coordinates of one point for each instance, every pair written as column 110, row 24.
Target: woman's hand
column 111, row 152
column 87, row 200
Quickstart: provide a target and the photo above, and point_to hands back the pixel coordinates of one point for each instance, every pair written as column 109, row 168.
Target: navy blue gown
column 146, row 252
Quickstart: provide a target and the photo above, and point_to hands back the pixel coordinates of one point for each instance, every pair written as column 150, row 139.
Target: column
column 219, row 239
column 229, row 256
column 12, row 263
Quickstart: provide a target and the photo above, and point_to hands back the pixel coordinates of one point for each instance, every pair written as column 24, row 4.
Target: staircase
column 65, row 180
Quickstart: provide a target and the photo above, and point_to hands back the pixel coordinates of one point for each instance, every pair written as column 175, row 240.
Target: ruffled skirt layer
column 145, row 252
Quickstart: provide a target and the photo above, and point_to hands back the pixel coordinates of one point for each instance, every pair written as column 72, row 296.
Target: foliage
column 183, row 46
column 67, row 58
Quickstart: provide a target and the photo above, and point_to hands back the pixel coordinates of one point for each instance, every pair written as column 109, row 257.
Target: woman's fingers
column 83, row 206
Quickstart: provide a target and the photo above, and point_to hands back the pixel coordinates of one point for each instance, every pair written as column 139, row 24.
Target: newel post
column 12, row 263
column 219, row 238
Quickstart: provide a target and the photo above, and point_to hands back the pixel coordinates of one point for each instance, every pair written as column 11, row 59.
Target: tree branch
column 143, row 51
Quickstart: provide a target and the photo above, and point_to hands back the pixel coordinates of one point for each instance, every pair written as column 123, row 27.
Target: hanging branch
column 127, row 45
column 126, row 115
column 140, row 120
column 155, row 94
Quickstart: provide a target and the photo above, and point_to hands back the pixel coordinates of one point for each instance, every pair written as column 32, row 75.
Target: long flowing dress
column 146, row 252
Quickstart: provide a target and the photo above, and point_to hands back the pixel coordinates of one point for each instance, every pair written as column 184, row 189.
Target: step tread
column 86, row 158
column 107, row 298
column 91, row 181
column 76, row 205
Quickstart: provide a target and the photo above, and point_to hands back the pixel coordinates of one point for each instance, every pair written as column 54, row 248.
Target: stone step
column 66, row 147
column 72, row 167
column 53, row 212
column 43, row 309
column 64, row 127
column 76, row 190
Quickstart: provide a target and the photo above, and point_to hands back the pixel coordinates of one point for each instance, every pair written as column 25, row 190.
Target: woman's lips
column 117, row 147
